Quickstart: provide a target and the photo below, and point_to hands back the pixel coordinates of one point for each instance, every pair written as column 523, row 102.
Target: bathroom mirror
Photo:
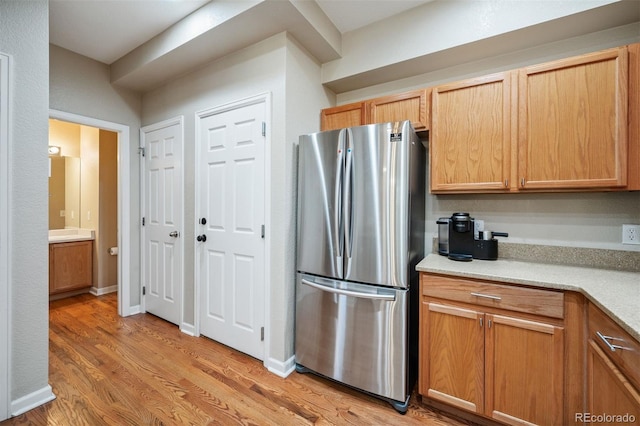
column 64, row 192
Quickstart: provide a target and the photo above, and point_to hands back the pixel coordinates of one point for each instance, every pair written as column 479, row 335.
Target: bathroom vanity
column 70, row 261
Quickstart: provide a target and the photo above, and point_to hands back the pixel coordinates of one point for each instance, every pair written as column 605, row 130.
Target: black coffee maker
column 462, row 243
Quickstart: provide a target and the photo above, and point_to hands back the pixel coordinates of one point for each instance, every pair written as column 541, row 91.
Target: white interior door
column 163, row 223
column 231, row 264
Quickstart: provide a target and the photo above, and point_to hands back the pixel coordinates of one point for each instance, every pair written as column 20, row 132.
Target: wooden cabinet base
column 504, row 360
column 451, row 411
column 70, row 266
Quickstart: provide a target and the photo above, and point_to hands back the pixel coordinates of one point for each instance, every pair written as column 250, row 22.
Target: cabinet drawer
column 534, row 301
column 624, row 350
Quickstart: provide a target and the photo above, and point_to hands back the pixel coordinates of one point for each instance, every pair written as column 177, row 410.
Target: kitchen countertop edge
column 617, row 293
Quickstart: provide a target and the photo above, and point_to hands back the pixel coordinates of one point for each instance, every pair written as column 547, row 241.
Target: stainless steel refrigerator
column 360, row 234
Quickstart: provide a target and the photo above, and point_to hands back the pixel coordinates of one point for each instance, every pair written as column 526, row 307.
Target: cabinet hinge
column 141, row 151
column 262, row 334
column 264, row 128
column 262, row 232
column 143, row 221
column 144, row 291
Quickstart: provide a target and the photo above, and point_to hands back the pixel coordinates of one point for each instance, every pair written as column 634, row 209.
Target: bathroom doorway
column 83, row 188
column 88, row 212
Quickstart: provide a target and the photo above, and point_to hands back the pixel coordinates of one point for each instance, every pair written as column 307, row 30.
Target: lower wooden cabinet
column 487, row 359
column 524, row 371
column 70, row 266
column 452, row 355
column 613, row 372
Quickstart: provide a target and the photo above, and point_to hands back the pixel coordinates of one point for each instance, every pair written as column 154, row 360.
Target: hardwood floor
column 108, row 370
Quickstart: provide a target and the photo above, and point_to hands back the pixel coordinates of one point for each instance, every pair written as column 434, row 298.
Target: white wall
column 440, row 26
column 252, row 71
column 276, row 65
column 592, row 220
column 24, row 36
column 82, row 86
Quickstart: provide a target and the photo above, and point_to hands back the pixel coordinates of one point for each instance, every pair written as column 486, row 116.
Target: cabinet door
column 524, row 371
column 572, row 125
column 403, row 106
column 452, row 356
column 70, row 266
column 470, row 140
column 633, row 138
column 608, row 391
column 342, row 116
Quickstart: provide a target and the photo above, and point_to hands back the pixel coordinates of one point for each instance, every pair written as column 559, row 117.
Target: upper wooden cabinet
column 470, row 138
column 567, row 125
column 342, row 116
column 572, row 122
column 413, row 105
column 633, row 180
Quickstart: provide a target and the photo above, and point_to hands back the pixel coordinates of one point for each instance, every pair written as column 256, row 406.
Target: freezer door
column 376, row 204
column 355, row 334
column 320, row 181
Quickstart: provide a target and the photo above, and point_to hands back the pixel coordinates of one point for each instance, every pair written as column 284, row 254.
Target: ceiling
column 106, row 30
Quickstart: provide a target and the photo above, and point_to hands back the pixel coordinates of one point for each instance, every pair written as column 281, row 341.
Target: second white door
column 231, row 244
column 162, row 227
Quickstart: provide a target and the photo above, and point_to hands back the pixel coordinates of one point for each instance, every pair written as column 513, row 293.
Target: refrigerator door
column 376, row 204
column 353, row 333
column 320, row 181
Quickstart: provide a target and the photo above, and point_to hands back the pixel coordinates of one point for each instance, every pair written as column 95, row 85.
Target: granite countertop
column 617, row 293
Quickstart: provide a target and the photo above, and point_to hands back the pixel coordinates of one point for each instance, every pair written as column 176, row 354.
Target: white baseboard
column 279, row 368
column 132, row 310
column 103, row 290
column 189, row 329
column 31, row 401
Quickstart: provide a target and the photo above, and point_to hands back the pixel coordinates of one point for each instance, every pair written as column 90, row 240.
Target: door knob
column 174, row 234
column 202, row 238
column 203, row 221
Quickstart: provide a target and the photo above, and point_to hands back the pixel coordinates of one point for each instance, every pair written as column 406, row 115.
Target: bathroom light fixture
column 54, row 150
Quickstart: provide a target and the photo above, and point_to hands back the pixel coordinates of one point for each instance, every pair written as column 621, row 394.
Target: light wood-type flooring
column 141, row 370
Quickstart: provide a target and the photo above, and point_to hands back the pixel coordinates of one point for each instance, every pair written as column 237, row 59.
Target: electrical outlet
column 631, row 234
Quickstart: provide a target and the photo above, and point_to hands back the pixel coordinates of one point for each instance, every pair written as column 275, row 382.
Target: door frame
column 143, row 213
column 259, row 98
column 124, row 202
column 5, row 229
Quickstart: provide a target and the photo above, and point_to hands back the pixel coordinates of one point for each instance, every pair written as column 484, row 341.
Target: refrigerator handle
column 341, row 292
column 348, row 207
column 337, row 199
